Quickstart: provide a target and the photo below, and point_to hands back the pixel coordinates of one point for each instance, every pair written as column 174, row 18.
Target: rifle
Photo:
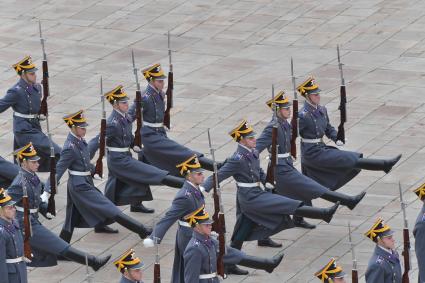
column 27, row 222
column 139, row 119
column 102, row 140
column 406, row 240
column 45, row 82
column 294, row 121
column 219, row 225
column 169, row 93
column 354, row 274
column 157, row 266
column 88, row 275
column 342, row 104
column 270, row 177
column 51, row 206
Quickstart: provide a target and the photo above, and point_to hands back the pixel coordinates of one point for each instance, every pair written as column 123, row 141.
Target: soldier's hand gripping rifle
column 342, row 104
column 354, row 274
column 219, row 225
column 137, row 143
column 169, row 93
column 51, row 206
column 406, row 240
column 27, row 222
column 157, row 265
column 98, row 171
column 294, row 120
column 270, row 177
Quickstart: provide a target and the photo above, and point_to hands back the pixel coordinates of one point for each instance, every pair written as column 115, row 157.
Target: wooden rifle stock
column 51, row 205
column 216, row 224
column 102, row 143
column 221, row 244
column 406, row 256
column 137, row 133
column 270, row 177
column 27, row 225
column 294, row 125
column 354, row 276
column 343, row 113
column 45, row 83
column 169, row 94
column 157, row 273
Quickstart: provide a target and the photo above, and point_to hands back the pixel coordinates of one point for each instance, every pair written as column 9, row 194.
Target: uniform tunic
column 419, row 233
column 325, row 164
column 268, row 211
column 11, row 247
column 44, row 244
column 200, row 258
column 26, row 99
column 383, row 267
column 160, row 150
column 86, row 205
column 8, row 172
column 129, row 179
column 289, row 181
column 188, row 199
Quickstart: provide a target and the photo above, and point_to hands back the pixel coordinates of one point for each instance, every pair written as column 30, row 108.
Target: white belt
column 153, row 125
column 311, row 140
column 79, row 173
column 26, row 116
column 21, row 209
column 248, row 185
column 15, row 260
column 283, row 155
column 208, row 276
column 118, row 149
column 185, row 224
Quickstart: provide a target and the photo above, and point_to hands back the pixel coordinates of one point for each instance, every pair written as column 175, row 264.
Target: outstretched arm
column 230, row 168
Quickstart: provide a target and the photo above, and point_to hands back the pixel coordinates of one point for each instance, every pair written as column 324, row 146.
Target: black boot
column 206, row 163
column 301, row 223
column 348, row 201
column 78, row 256
column 133, row 225
column 233, row 268
column 325, row 214
column 377, row 164
column 267, row 264
column 66, row 236
column 141, row 208
column 173, row 181
column 105, row 229
column 267, row 242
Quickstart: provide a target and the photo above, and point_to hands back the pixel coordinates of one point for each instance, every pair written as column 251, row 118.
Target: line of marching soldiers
column 266, row 203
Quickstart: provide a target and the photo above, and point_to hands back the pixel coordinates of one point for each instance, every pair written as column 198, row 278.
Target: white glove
column 45, row 196
column 269, row 186
column 136, row 149
column 97, row 177
column 148, row 243
column 49, row 216
column 41, row 117
column 339, row 143
column 214, row 235
column 202, row 189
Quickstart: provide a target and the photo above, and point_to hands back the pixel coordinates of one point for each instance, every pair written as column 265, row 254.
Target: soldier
column 260, row 213
column 289, row 181
column 129, row 179
column 45, row 245
column 331, row 273
column 25, row 99
column 86, row 205
column 154, row 137
column 328, row 165
column 8, row 172
column 200, row 255
column 130, row 267
column 419, row 233
column 384, row 266
column 12, row 263
column 188, row 199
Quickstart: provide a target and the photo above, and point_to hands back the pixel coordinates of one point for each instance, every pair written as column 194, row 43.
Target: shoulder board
column 238, row 156
column 17, row 86
column 380, row 259
column 196, row 243
column 302, row 112
column 187, row 192
column 423, row 217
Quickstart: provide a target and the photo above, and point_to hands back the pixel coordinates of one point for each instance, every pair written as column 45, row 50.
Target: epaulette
column 238, row 156
column 302, row 113
column 196, row 243
column 380, row 259
column 423, row 217
column 187, row 193
column 17, row 86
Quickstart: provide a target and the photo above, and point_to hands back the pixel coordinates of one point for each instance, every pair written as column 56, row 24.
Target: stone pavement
column 226, row 55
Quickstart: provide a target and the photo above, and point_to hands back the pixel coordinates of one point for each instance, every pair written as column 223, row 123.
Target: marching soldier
column 129, row 179
column 384, row 266
column 8, row 172
column 86, row 205
column 289, row 181
column 331, row 273
column 328, row 165
column 154, row 137
column 25, row 99
column 200, row 255
column 130, row 267
column 45, row 245
column 419, row 233
column 12, row 264
column 188, row 199
column 260, row 213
